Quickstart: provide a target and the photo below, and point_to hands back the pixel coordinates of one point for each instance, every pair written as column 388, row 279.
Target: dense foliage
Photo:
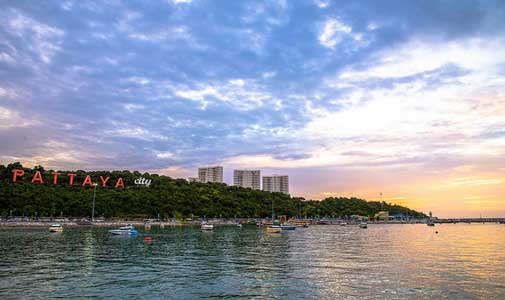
column 165, row 196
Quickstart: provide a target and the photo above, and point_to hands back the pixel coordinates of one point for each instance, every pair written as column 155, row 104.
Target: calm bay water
column 462, row 261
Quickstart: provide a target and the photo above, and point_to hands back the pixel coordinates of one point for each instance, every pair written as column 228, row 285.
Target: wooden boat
column 274, row 229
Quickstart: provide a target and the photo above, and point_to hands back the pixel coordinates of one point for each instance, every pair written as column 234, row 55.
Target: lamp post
column 94, row 196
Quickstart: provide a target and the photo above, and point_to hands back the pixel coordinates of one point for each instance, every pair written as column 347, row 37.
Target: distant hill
column 121, row 194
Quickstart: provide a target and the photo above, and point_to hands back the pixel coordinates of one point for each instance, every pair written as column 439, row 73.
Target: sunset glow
column 349, row 99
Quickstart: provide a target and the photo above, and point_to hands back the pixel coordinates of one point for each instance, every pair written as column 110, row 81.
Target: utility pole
column 382, row 204
column 94, row 196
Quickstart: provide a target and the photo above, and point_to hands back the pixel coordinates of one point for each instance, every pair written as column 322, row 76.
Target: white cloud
column 419, row 56
column 235, row 92
column 6, row 58
column 133, row 107
column 333, row 32
column 238, row 82
column 268, row 75
column 10, row 118
column 322, row 3
column 136, row 133
column 164, row 155
column 45, row 40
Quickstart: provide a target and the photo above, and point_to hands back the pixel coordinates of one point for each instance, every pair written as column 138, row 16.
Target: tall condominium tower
column 247, row 178
column 276, row 183
column 210, row 174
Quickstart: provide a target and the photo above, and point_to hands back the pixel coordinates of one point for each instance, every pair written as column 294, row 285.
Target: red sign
column 37, row 178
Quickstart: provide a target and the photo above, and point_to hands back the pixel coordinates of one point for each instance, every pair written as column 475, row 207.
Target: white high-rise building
column 247, row 178
column 276, row 183
column 210, row 174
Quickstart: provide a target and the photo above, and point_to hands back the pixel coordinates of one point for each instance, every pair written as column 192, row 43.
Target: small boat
column 287, row 227
column 125, row 230
column 343, row 224
column 239, row 225
column 206, row 226
column 274, row 229
column 363, row 225
column 56, row 228
column 430, row 223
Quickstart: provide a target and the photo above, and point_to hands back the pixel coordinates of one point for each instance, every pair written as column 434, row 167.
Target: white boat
column 206, row 226
column 363, row 225
column 56, row 228
column 125, row 230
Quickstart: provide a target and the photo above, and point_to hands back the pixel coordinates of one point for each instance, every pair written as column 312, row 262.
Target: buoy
column 148, row 239
column 436, row 231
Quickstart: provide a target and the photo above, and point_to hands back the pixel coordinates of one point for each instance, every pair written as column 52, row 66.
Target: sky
column 348, row 98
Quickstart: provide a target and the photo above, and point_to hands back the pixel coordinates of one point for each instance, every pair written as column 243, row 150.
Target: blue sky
column 349, row 98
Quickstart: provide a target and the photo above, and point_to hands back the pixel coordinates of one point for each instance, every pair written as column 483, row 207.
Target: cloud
column 333, row 32
column 44, row 39
column 419, row 56
column 407, row 93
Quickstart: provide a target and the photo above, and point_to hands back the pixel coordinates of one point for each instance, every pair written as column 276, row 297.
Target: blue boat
column 125, row 230
column 288, row 227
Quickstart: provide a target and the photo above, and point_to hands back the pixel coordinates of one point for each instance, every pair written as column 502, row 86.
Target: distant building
column 193, row 179
column 247, row 178
column 382, row 215
column 210, row 174
column 276, row 183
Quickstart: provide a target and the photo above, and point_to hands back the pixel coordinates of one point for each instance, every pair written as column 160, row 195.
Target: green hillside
column 165, row 196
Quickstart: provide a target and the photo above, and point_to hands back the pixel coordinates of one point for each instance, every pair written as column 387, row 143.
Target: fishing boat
column 363, row 225
column 56, row 228
column 430, row 223
column 207, row 226
column 125, row 230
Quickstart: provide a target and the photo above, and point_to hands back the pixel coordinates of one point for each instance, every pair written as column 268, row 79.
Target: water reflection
column 320, row 262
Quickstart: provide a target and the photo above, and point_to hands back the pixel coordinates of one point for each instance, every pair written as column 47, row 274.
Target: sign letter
column 37, row 178
column 17, row 173
column 55, row 178
column 87, row 181
column 104, row 181
column 71, row 178
column 119, row 183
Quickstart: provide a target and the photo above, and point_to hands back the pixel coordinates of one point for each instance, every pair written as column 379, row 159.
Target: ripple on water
column 463, row 261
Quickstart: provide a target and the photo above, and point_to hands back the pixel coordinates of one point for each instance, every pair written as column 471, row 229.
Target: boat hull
column 288, row 227
column 207, row 227
column 124, row 232
column 274, row 229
